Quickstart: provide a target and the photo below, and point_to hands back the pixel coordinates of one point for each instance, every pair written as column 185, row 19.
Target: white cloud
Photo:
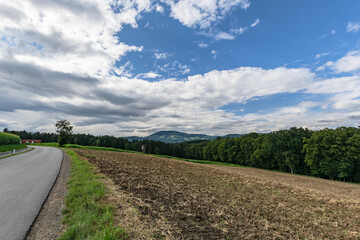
column 218, row 35
column 346, row 104
column 256, row 22
column 353, row 27
column 320, row 55
column 62, row 54
column 161, row 55
column 239, row 31
column 218, row 88
column 214, row 54
column 203, row 45
column 148, row 75
column 333, row 32
column 223, row 36
column 203, row 13
column 344, row 91
column 335, row 85
column 349, row 63
column 300, row 115
column 88, row 47
column 125, row 70
column 130, row 10
column 174, row 69
column 159, row 8
column 321, row 68
column 231, row 35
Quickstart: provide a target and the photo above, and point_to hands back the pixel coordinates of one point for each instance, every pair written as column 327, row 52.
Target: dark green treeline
column 328, row 153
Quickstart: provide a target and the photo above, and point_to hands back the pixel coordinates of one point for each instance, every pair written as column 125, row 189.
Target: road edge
column 51, row 209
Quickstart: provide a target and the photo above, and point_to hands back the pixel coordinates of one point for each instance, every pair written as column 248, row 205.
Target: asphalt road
column 25, row 182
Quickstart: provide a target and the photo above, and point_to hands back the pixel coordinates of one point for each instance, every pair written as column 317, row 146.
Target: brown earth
column 48, row 224
column 173, row 199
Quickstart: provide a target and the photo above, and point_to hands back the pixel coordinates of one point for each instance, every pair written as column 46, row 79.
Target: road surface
column 25, row 182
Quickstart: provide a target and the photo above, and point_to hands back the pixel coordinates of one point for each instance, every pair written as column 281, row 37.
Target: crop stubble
column 192, row 201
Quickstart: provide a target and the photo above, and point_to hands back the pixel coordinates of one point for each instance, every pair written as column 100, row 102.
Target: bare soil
column 48, row 224
column 173, row 199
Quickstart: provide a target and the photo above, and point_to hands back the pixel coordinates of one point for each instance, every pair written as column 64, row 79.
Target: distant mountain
column 177, row 137
column 135, row 138
column 233, row 135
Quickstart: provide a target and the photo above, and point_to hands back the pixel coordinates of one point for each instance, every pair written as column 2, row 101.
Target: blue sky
column 215, row 67
column 290, row 34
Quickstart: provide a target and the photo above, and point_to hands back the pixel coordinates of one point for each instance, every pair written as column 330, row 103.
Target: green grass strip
column 51, row 144
column 85, row 216
column 5, row 148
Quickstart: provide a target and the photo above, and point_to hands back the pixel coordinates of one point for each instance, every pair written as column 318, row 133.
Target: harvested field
column 180, row 200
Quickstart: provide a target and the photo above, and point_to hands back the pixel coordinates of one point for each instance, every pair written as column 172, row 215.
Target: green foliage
column 44, row 137
column 8, row 138
column 64, row 129
column 5, row 148
column 84, row 215
column 334, row 154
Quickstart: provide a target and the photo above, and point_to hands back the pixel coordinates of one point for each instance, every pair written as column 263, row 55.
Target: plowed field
column 173, row 199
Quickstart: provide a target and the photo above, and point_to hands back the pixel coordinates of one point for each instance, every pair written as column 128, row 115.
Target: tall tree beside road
column 64, row 129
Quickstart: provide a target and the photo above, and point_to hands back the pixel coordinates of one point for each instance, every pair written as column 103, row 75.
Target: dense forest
column 328, row 153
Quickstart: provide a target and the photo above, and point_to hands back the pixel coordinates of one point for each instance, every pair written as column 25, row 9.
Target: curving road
column 25, row 182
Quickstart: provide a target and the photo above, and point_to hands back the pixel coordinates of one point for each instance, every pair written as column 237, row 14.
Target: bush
column 8, row 138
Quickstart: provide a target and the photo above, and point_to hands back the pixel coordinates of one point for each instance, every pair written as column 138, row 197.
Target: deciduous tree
column 64, row 129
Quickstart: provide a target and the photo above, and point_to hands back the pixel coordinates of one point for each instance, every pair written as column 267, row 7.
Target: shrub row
column 8, row 138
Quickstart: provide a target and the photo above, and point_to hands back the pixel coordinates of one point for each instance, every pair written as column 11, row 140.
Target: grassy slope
column 5, row 148
column 85, row 216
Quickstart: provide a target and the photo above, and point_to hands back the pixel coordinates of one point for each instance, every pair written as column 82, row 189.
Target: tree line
column 327, row 153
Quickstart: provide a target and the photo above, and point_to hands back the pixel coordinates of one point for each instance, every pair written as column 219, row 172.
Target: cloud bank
column 58, row 61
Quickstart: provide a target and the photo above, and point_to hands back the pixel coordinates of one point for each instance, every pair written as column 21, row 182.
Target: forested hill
column 174, row 137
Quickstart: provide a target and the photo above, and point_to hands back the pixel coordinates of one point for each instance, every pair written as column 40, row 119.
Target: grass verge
column 5, row 148
column 85, row 216
column 50, row 144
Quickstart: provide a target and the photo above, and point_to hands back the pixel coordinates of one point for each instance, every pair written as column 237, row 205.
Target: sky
column 135, row 67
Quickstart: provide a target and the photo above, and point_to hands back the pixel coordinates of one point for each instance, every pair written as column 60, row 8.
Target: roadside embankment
column 8, row 150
